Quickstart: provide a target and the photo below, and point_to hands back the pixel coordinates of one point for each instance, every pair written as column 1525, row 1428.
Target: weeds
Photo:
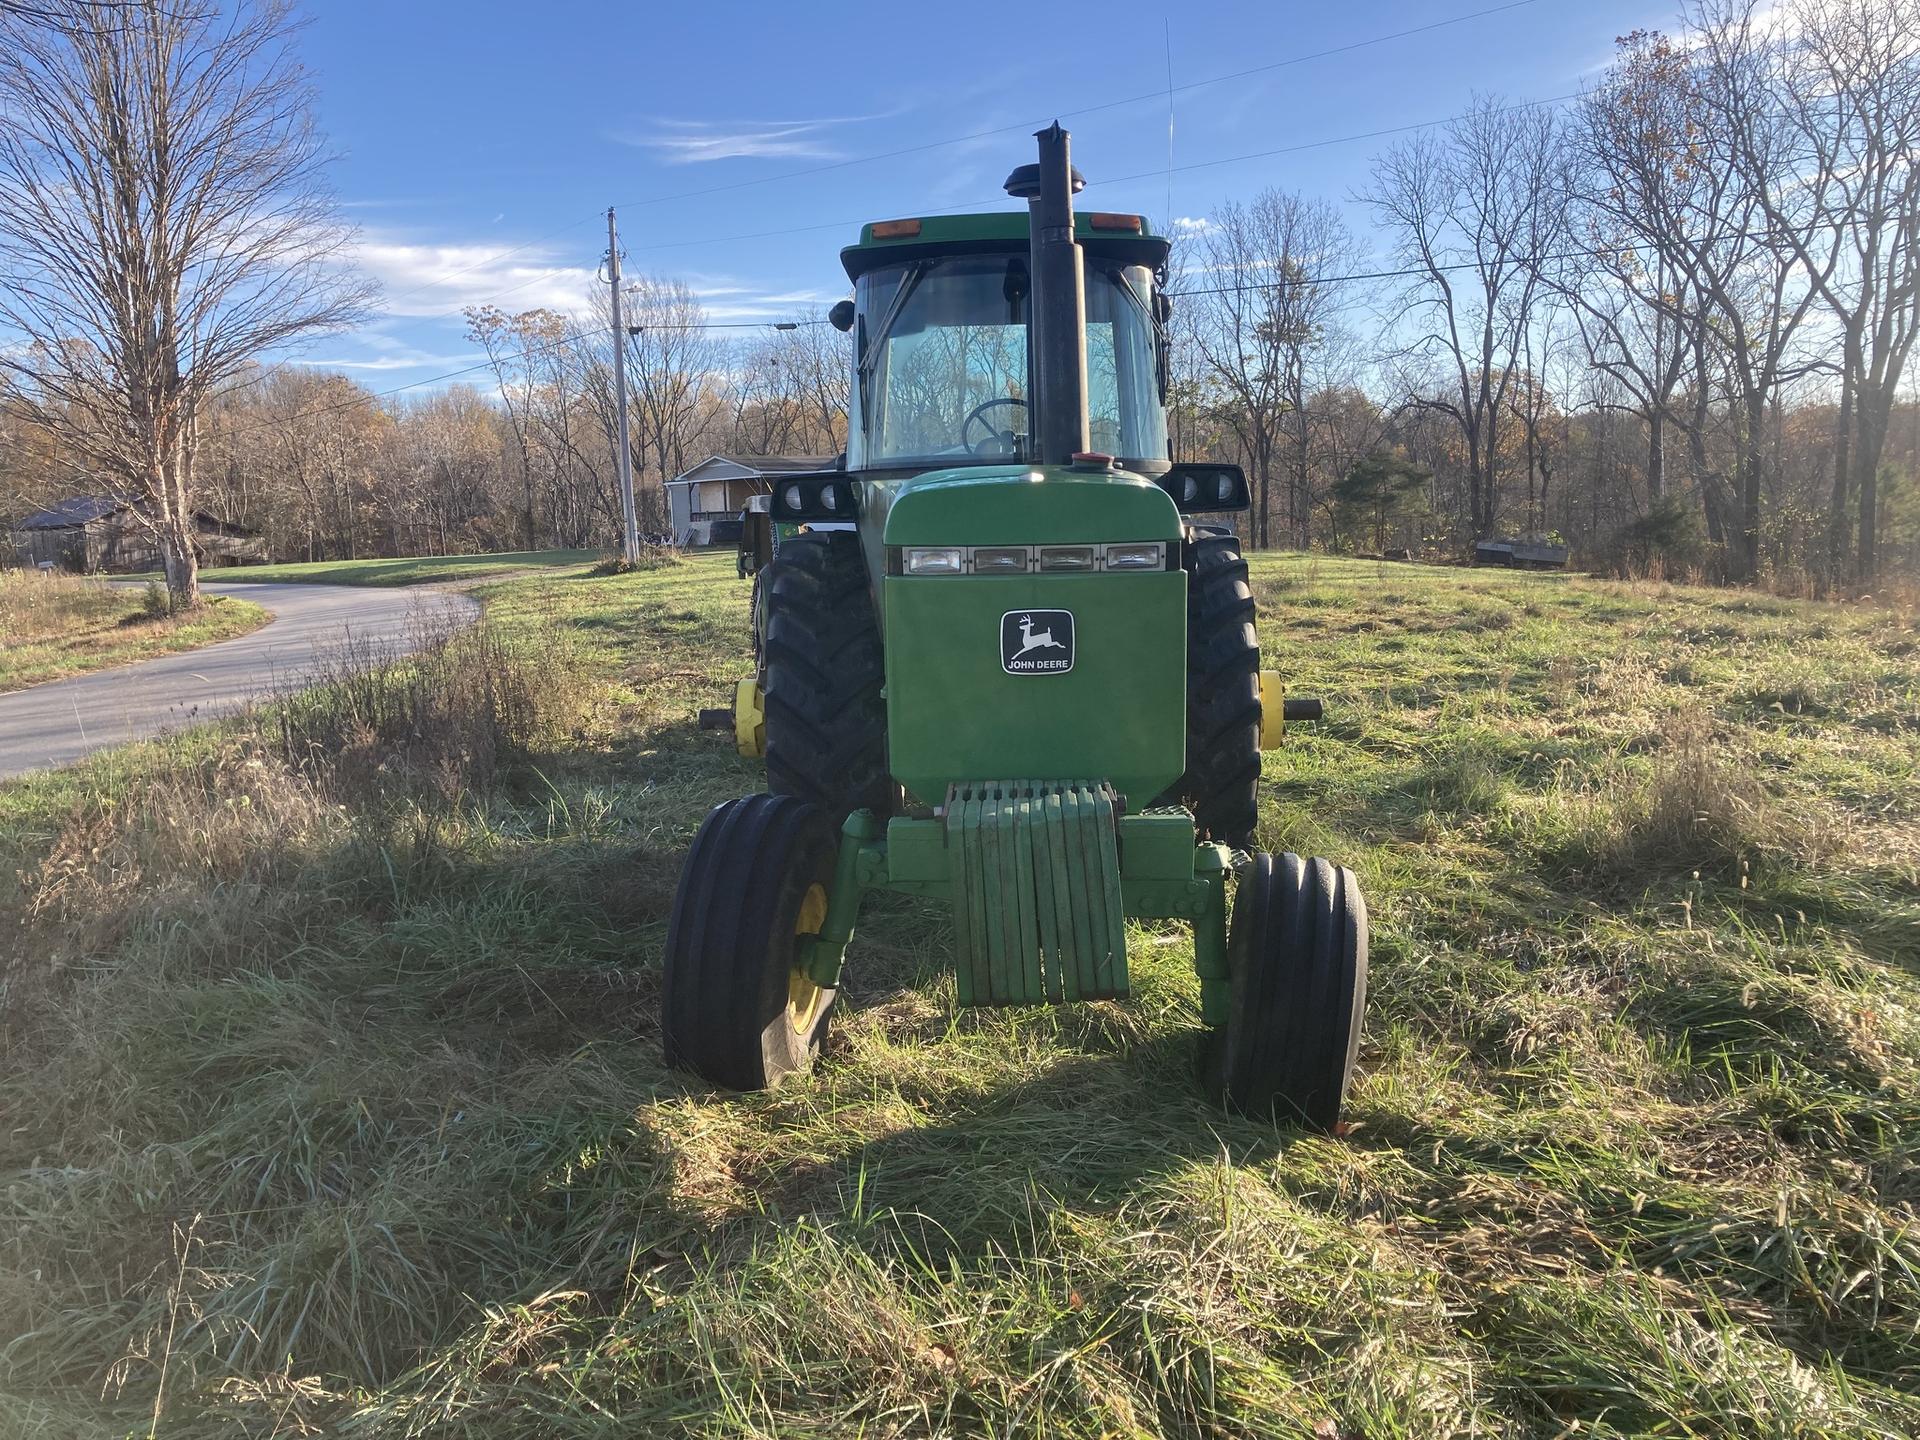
column 346, row 1113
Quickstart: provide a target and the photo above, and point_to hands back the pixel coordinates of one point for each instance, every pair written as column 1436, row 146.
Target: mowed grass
column 333, row 1099
column 52, row 626
column 417, row 570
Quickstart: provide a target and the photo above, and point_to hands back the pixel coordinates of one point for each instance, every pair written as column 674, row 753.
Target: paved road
column 56, row 723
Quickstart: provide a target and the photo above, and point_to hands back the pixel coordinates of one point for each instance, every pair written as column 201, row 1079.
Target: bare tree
column 673, row 362
column 162, row 222
column 1266, row 302
column 1472, row 211
column 1845, row 78
column 1626, row 284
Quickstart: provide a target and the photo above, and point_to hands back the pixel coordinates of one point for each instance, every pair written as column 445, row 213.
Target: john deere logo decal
column 1036, row 642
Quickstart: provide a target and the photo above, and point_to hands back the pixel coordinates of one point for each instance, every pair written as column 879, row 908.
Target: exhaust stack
column 1058, row 307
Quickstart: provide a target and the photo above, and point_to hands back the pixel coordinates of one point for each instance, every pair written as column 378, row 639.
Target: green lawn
column 53, row 626
column 334, row 1100
column 419, row 570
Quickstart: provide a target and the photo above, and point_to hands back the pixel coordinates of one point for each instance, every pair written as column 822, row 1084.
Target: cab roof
column 1121, row 237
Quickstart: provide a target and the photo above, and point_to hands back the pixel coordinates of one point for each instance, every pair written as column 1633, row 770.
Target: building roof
column 70, row 513
column 746, row 467
column 81, row 510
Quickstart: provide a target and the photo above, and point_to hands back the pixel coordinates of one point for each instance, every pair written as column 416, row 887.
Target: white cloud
column 424, row 280
column 692, row 142
column 1191, row 225
column 410, row 360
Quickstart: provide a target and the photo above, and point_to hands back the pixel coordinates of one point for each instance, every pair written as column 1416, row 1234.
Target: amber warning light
column 1106, row 220
column 895, row 229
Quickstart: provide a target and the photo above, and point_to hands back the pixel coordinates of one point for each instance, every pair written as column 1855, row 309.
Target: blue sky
column 481, row 142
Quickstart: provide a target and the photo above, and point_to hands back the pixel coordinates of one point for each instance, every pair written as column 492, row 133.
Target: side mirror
column 1207, row 489
column 841, row 316
column 1162, row 306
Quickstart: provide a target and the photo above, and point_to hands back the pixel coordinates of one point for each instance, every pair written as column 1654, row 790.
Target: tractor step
column 1036, row 892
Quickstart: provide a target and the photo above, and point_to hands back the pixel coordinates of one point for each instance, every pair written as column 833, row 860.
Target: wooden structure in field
column 96, row 534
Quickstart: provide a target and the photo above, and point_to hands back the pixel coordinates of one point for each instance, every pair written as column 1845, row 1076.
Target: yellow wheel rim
column 803, row 994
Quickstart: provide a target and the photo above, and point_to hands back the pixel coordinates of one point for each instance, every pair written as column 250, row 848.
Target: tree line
column 1667, row 323
column 1670, row 321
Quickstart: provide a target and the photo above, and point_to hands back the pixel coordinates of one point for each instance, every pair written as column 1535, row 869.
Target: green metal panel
column 1037, row 894
column 1024, row 505
column 953, row 711
column 1157, row 844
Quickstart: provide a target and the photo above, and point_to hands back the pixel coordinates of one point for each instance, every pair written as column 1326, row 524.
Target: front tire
column 826, row 718
column 735, row 1008
column 1297, row 958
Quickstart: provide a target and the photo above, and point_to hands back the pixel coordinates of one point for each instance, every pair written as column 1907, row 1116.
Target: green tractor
column 997, row 664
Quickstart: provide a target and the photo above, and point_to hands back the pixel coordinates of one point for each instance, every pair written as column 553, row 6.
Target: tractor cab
column 943, row 364
column 999, row 662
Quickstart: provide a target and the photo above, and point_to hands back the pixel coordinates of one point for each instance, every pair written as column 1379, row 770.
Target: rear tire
column 1221, row 785
column 1297, row 958
column 734, row 1010
column 824, row 669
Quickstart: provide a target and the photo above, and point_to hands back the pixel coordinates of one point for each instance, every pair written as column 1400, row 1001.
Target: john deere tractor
column 998, row 664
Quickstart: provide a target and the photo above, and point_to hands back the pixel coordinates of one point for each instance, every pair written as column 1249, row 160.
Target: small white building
column 718, row 487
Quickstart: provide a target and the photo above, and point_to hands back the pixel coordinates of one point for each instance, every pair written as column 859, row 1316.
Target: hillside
column 333, row 1100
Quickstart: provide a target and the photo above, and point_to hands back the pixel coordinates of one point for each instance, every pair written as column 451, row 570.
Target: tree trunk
column 1873, row 413
column 1752, row 461
column 1656, row 456
column 1842, row 472
column 182, row 566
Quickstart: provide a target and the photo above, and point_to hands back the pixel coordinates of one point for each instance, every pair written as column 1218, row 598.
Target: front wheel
column 1297, row 961
column 736, row 1008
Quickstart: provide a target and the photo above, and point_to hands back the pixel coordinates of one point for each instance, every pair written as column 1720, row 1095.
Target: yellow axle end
column 750, row 719
column 1273, row 710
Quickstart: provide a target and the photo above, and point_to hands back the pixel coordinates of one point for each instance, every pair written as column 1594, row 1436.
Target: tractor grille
column 1036, row 885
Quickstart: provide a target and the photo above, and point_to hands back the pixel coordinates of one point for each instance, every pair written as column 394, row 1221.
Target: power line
column 1339, row 140
column 572, row 338
column 1116, row 179
column 1154, row 95
column 1415, row 272
column 1165, row 93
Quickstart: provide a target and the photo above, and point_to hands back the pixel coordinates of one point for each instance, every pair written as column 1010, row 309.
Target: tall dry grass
column 380, row 752
column 41, row 605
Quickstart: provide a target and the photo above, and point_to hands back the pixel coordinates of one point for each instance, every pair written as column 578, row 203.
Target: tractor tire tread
column 1221, row 785
column 824, row 673
column 1297, row 950
column 730, row 942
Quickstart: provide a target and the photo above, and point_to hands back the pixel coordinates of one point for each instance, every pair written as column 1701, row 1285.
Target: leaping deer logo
column 1031, row 639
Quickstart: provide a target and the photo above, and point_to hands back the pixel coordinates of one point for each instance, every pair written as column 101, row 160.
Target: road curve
column 58, row 722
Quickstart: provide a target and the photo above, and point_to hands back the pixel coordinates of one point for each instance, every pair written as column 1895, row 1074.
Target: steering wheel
column 976, row 416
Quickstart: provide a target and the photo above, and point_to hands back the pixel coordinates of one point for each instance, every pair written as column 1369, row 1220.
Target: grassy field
column 332, row 1099
column 57, row 625
column 421, row 570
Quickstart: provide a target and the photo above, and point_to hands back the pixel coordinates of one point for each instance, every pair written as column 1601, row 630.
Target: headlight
column 827, row 497
column 1000, row 560
column 1066, row 557
column 1190, row 490
column 795, row 497
column 947, row 560
column 1150, row 555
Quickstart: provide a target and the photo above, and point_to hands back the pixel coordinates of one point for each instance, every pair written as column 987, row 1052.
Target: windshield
column 943, row 376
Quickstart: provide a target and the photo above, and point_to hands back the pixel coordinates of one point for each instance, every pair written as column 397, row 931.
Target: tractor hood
column 1027, row 505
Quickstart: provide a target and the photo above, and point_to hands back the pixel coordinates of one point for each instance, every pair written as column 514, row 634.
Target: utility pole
column 630, row 527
